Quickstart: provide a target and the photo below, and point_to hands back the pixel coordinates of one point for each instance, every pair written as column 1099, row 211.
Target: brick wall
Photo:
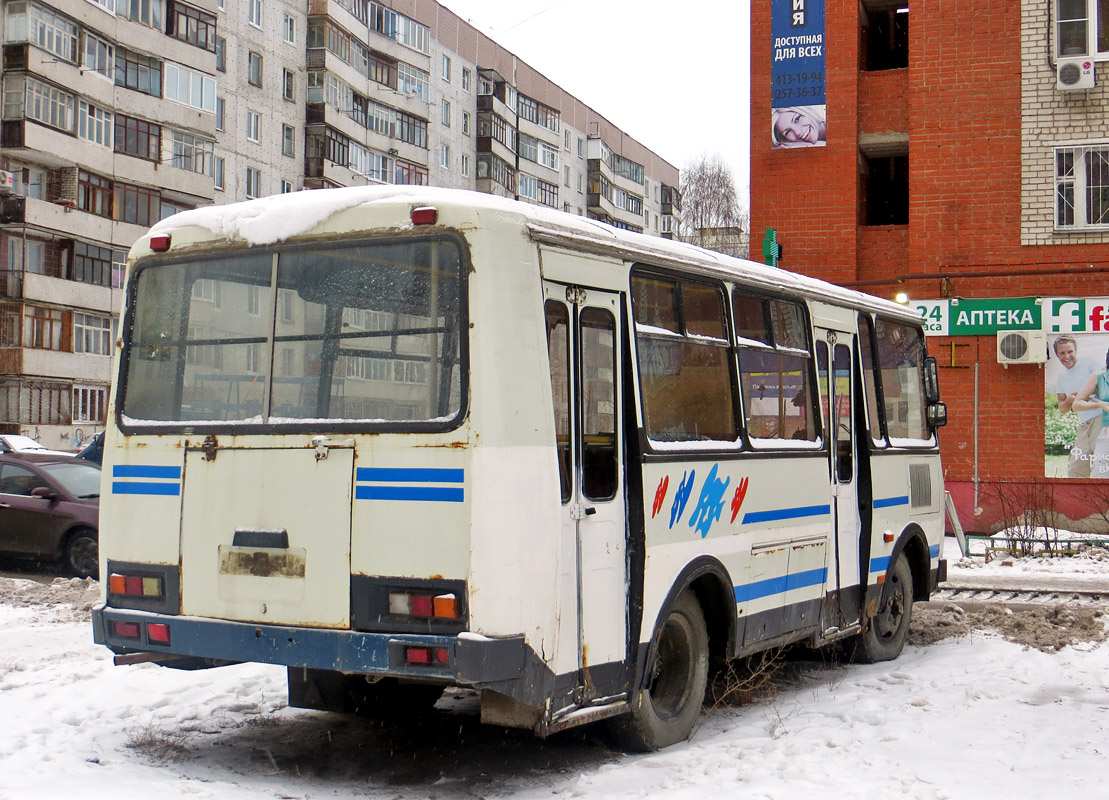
column 982, row 113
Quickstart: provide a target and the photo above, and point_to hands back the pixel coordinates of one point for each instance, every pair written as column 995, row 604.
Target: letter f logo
column 1067, row 316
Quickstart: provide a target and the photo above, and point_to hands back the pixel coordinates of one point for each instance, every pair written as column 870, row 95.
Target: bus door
column 833, row 349
column 583, row 346
column 265, row 532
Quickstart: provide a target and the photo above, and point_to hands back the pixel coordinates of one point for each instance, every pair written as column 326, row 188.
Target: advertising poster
column 798, row 106
column 1076, row 387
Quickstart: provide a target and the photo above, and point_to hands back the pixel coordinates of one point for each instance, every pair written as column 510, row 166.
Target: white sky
column 675, row 77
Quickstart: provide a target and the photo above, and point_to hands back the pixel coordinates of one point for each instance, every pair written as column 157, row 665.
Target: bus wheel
column 665, row 711
column 885, row 638
column 81, row 554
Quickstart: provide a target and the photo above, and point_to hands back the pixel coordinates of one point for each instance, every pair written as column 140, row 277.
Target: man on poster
column 1068, row 383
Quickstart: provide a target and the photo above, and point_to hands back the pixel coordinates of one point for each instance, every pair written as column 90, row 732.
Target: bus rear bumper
column 465, row 659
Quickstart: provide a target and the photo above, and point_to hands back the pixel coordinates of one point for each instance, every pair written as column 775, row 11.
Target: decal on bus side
column 425, row 484
column 146, row 479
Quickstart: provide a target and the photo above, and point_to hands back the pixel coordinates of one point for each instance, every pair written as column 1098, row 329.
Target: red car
column 49, row 508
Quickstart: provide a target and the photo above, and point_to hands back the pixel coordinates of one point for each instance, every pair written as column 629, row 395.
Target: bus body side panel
column 908, row 488
column 766, row 519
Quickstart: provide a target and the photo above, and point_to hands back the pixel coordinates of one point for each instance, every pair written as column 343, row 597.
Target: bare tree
column 711, row 214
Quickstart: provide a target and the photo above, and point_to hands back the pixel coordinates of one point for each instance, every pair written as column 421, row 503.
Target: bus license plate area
column 262, row 563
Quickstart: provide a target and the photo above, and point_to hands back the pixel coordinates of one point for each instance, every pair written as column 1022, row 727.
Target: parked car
column 49, row 508
column 14, row 443
column 94, row 450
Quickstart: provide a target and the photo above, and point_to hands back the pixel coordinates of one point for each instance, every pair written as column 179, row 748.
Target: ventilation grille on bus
column 920, row 486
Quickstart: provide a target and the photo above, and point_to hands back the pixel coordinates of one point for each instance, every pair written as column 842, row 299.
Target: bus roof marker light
column 159, row 244
column 425, row 215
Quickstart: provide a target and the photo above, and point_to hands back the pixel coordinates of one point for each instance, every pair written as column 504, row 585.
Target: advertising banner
column 798, row 105
column 1076, row 387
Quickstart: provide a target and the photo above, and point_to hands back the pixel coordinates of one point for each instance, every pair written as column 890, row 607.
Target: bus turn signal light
column 159, row 244
column 425, row 215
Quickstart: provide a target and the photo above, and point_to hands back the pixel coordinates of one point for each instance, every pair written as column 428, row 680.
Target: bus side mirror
column 937, row 415
column 931, row 381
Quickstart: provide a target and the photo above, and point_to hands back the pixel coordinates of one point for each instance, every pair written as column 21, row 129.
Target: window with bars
column 89, row 404
column 1082, row 187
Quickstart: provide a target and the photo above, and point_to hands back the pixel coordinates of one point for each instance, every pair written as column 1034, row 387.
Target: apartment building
column 955, row 153
column 117, row 113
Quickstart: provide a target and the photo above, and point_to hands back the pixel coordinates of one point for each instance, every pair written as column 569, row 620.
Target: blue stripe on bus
column 408, row 475
column 889, row 502
column 786, row 583
column 934, row 551
column 139, row 487
column 443, row 494
column 145, row 471
column 785, row 513
column 880, row 564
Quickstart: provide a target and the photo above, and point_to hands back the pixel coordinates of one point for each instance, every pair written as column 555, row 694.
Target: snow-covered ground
column 974, row 715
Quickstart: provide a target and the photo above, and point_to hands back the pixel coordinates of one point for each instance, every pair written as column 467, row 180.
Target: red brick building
column 965, row 159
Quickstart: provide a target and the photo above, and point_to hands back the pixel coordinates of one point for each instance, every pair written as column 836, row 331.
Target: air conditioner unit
column 1072, row 74
column 1021, row 347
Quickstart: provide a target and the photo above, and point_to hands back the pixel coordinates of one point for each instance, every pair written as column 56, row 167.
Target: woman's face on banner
column 797, row 126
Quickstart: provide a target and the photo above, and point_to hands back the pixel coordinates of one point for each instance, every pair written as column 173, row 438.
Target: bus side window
column 598, row 403
column 845, row 445
column 558, row 353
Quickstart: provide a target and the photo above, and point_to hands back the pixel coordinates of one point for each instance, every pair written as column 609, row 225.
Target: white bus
column 398, row 439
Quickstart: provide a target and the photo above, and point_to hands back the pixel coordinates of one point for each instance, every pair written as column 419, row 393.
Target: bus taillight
column 426, row 656
column 443, row 606
column 134, row 586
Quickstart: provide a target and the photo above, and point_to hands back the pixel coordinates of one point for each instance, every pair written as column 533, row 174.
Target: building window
column 1082, row 28
column 92, row 264
column 191, row 25
column 465, row 79
column 1082, row 187
column 411, row 174
column 254, row 68
column 288, row 90
column 219, row 113
column 192, row 153
column 290, row 29
column 412, row 130
column 147, row 12
column 447, row 68
column 42, row 327
column 566, row 140
column 138, row 72
column 446, row 107
column 548, row 155
column 446, row 156
column 107, row 5
column 100, row 56
column 191, row 88
column 46, row 29
column 253, row 182
column 221, row 54
column 465, row 165
column 465, row 123
column 254, row 12
column 90, row 404
column 48, row 104
column 136, row 137
column 253, row 126
column 94, row 194
column 288, row 140
column 92, row 334
column 136, row 205
column 94, row 124
column 217, row 172
column 412, row 80
column 286, row 186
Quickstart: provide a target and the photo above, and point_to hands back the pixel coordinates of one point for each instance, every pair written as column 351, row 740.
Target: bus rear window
column 367, row 332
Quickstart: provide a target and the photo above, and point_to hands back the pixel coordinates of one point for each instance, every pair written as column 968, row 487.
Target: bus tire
column 81, row 553
column 665, row 710
column 885, row 636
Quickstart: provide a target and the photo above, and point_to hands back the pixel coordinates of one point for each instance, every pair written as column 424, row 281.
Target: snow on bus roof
column 277, row 218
